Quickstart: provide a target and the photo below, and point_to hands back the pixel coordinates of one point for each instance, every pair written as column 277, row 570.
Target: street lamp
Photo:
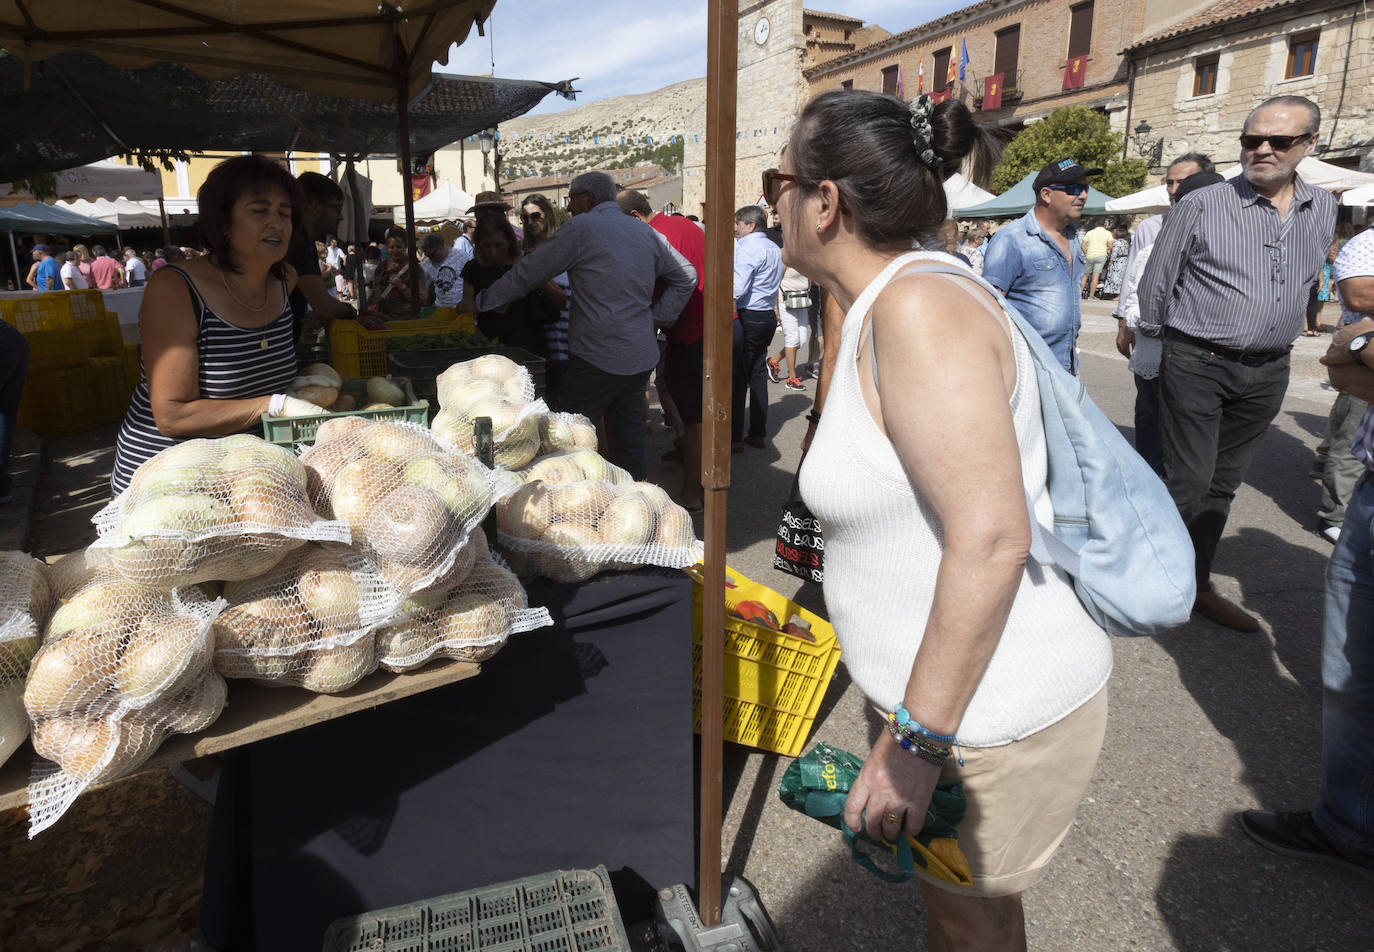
column 1153, row 151
column 487, row 140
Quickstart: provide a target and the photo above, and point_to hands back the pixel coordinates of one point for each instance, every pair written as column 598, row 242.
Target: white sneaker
column 1331, row 533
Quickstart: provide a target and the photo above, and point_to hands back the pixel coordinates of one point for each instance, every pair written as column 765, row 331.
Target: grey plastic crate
column 562, row 911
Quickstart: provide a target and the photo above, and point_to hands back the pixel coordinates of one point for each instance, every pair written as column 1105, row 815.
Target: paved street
column 1204, row 722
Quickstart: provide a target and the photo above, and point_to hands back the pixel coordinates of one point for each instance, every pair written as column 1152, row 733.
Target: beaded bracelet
column 926, row 750
column 901, row 719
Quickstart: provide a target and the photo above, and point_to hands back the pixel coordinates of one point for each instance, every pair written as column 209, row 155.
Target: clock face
column 761, row 31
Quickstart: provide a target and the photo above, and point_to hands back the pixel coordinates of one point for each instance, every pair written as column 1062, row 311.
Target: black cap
column 1196, row 181
column 1062, row 172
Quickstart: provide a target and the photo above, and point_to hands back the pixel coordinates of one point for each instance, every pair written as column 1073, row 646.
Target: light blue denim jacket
column 1026, row 265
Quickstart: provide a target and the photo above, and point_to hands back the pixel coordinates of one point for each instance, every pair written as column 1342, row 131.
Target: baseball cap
column 1062, row 172
column 42, row 248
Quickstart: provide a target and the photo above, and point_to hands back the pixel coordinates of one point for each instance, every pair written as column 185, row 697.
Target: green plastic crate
column 562, row 911
column 297, row 431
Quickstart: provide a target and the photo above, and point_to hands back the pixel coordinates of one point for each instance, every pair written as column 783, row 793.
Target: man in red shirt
column 106, row 272
column 683, row 357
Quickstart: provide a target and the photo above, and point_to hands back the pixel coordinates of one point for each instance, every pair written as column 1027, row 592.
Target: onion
column 410, row 525
column 80, row 745
column 338, row 669
column 584, row 434
column 656, row 495
column 504, row 413
column 453, row 428
column 527, row 512
column 398, row 443
column 14, row 722
column 358, row 486
column 192, row 513
column 26, row 576
column 344, row 403
column 322, row 463
column 192, row 454
column 15, row 656
column 325, row 371
column 338, row 427
column 115, row 604
column 328, row 590
column 555, row 432
column 172, row 482
column 264, row 459
column 400, row 646
column 493, row 367
column 628, row 520
column 197, row 707
column 675, row 528
column 515, row 453
column 559, row 468
column 70, row 675
column 459, row 483
column 72, row 572
column 592, row 465
column 270, row 624
column 163, row 657
column 579, row 502
column 468, row 619
column 382, row 390
column 497, row 583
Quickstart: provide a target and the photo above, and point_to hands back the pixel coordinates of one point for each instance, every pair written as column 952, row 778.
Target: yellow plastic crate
column 110, row 379
column 97, row 327
column 355, row 351
column 45, row 320
column 69, row 400
column 774, row 680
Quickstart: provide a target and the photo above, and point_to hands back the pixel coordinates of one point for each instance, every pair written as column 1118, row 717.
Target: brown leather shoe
column 1224, row 612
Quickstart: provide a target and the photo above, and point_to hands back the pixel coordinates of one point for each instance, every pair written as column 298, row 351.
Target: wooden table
column 255, row 712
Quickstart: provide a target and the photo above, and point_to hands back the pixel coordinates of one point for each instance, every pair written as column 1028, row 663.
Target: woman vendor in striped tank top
column 218, row 350
column 982, row 666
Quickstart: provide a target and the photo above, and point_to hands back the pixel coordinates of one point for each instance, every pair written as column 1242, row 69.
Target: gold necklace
column 266, row 291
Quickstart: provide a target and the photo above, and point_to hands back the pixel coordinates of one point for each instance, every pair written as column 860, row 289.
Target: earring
column 818, row 226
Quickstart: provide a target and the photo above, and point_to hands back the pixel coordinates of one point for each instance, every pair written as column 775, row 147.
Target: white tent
column 445, row 201
column 121, row 212
column 1364, row 195
column 107, row 178
column 1333, row 178
column 961, row 193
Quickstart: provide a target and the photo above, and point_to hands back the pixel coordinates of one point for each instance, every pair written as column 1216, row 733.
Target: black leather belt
column 1246, row 358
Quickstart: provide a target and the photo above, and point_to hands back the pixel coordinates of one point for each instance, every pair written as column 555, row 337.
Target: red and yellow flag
column 992, row 92
column 1073, row 72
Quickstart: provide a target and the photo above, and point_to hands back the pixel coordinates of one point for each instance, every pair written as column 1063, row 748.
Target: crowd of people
column 985, row 663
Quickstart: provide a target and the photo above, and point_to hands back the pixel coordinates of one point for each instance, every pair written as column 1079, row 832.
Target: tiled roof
column 830, row 16
column 1217, row 13
column 915, row 33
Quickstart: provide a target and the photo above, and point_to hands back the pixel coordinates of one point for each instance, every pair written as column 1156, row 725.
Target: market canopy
column 1020, row 198
column 39, row 218
column 960, row 192
column 77, row 108
column 121, row 213
column 1333, row 178
column 446, row 201
column 348, row 48
column 107, row 178
column 1364, row 195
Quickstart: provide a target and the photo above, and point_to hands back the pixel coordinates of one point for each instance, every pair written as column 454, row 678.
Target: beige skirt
column 1022, row 798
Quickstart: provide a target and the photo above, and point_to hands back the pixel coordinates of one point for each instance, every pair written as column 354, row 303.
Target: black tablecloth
column 573, row 747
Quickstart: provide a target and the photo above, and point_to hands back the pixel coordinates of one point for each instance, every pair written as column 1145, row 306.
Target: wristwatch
column 1357, row 345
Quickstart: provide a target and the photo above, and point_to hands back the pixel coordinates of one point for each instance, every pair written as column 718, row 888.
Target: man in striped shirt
column 1227, row 289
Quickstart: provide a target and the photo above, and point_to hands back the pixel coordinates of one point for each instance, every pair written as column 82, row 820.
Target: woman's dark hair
column 862, row 141
column 496, row 224
column 550, row 220
column 226, row 184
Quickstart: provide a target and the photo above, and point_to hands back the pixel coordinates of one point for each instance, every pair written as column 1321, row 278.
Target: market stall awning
column 445, row 202
column 1364, row 195
column 77, row 108
column 1333, row 178
column 1019, row 199
column 40, row 218
column 106, row 179
column 121, row 213
column 348, row 48
column 960, row 192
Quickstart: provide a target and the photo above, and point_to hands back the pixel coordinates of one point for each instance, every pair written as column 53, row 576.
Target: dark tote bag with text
column 799, row 549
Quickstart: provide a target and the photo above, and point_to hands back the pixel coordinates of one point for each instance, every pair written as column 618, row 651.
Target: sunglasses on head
column 772, row 184
column 1073, row 188
column 1277, row 143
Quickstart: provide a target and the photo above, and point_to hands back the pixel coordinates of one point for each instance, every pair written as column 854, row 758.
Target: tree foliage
column 1072, row 132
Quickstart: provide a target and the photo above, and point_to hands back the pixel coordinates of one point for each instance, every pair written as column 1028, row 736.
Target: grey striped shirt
column 1226, row 269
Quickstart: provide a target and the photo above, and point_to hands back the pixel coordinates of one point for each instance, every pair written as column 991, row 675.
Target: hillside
column 662, row 113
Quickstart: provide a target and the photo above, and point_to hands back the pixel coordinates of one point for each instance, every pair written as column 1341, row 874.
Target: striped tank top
column 234, row 363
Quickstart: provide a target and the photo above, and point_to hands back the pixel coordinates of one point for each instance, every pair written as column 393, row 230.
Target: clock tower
column 771, row 93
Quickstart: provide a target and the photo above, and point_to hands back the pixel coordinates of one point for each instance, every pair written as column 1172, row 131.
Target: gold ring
column 893, row 818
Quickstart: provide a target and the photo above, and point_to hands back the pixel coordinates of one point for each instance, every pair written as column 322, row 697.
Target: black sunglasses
column 1073, row 188
column 533, row 216
column 1277, row 143
column 772, row 184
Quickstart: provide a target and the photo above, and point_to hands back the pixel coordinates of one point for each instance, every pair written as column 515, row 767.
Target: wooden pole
column 721, row 58
column 166, row 228
column 399, row 61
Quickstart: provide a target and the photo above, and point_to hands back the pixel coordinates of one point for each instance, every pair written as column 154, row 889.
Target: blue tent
column 1019, row 199
column 37, row 217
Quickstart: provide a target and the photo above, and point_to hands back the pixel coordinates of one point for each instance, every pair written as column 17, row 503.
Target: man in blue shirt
column 758, row 273
column 49, row 276
column 1037, row 260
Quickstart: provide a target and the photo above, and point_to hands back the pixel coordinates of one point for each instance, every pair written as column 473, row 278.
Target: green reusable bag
column 817, row 784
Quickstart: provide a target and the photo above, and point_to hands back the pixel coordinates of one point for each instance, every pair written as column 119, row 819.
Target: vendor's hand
column 1339, row 351
column 893, row 782
column 1125, row 339
column 296, row 407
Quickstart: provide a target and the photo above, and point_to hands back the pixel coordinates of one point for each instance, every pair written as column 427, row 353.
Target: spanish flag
column 1073, row 72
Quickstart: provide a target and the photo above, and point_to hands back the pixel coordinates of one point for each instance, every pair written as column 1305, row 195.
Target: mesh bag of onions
column 409, row 500
column 122, row 666
column 496, row 387
column 226, row 509
column 307, row 622
column 565, row 431
column 569, row 531
column 469, row 621
column 24, row 603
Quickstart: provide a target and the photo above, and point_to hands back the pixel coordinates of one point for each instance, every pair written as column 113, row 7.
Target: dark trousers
column 595, row 393
column 751, row 372
column 1147, row 442
column 14, row 370
column 1214, row 413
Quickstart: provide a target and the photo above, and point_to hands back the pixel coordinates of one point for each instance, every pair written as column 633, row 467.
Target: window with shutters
column 890, row 80
column 1080, row 29
column 1007, row 55
column 1205, row 74
column 1302, row 54
column 941, row 69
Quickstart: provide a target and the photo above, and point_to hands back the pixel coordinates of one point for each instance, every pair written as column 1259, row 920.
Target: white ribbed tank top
column 883, row 545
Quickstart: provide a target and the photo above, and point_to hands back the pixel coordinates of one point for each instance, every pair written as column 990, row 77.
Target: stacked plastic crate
column 81, row 372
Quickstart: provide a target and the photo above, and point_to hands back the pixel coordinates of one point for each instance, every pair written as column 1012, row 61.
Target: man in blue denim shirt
column 1037, row 260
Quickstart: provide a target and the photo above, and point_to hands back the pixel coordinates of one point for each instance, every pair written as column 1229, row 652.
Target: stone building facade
column 769, row 96
column 1030, row 42
column 1195, row 81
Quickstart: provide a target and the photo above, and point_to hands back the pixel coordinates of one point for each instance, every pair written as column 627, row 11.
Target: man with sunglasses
column 1037, row 261
column 1226, row 288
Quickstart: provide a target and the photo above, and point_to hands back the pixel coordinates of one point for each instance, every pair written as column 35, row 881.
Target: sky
column 616, row 47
